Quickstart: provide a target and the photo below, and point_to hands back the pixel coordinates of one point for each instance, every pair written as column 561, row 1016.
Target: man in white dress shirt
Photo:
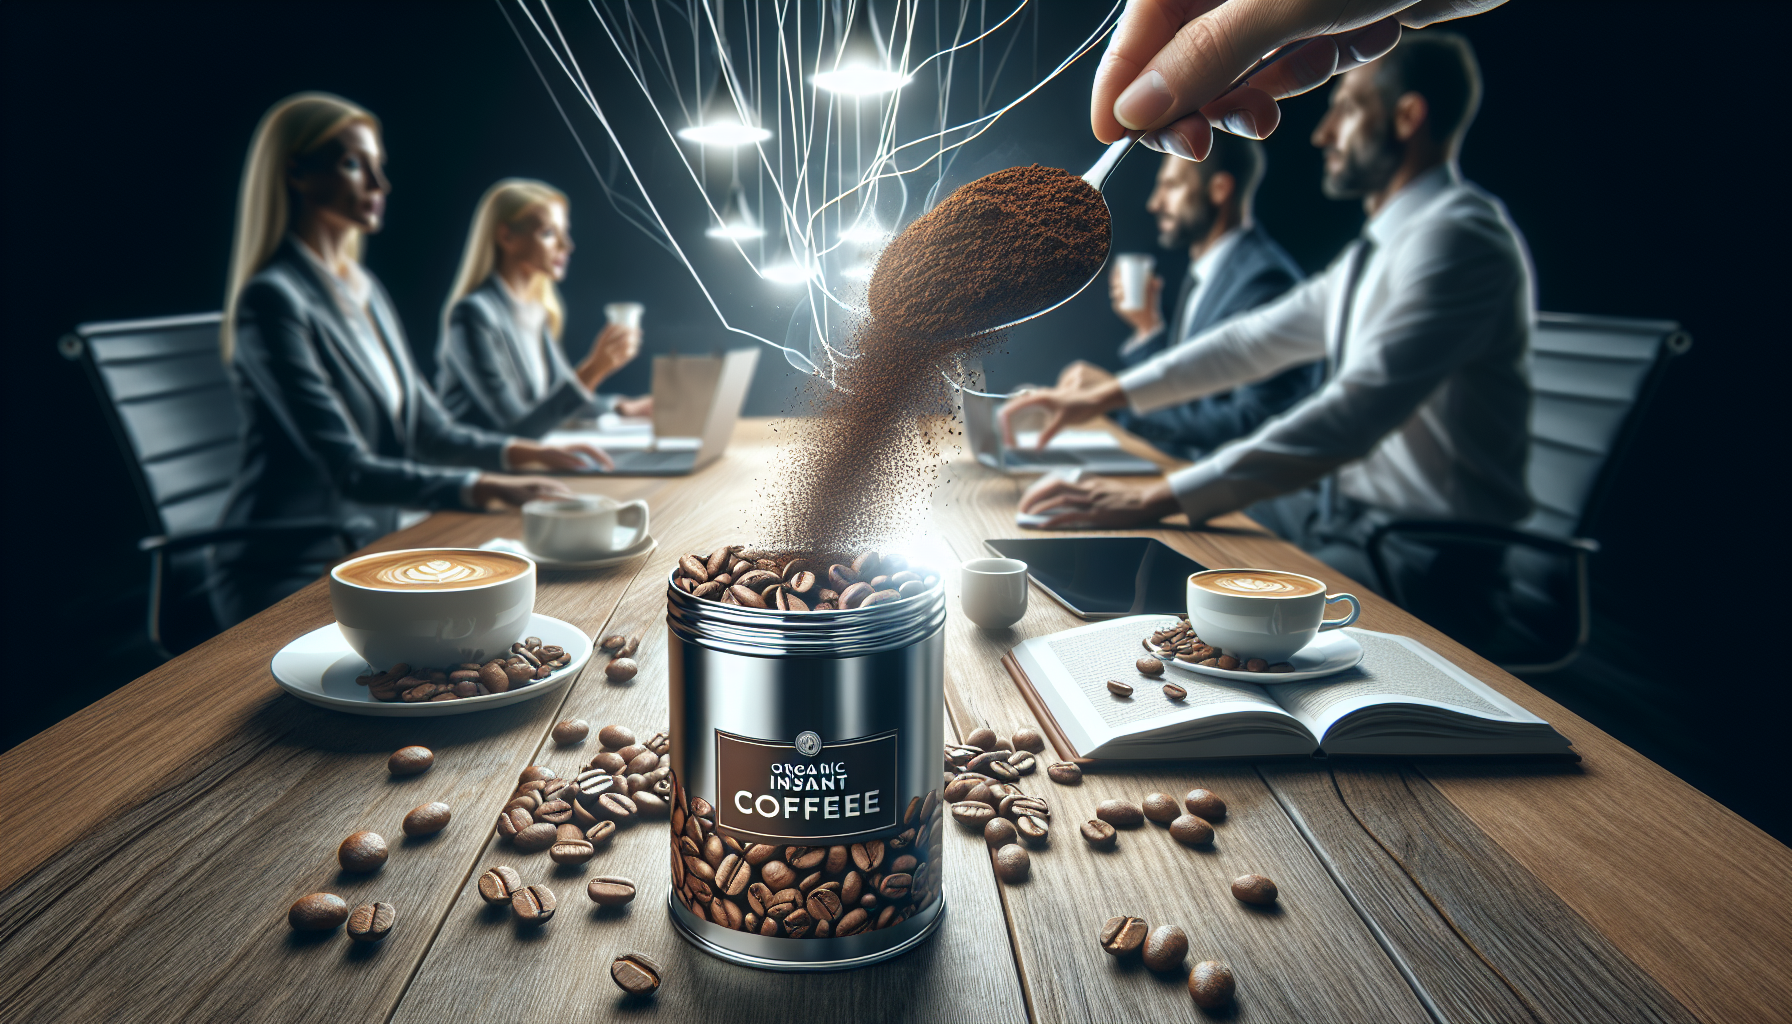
column 1424, row 324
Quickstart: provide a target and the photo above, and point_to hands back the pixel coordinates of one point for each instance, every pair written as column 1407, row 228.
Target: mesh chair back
column 1590, row 376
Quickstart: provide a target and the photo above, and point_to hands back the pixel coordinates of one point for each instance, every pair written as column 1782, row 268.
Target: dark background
column 1637, row 149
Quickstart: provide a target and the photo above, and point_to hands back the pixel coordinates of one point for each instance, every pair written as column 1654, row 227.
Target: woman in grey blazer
column 499, row 363
column 341, row 432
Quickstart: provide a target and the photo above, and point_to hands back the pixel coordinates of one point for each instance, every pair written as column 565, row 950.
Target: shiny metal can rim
column 687, row 926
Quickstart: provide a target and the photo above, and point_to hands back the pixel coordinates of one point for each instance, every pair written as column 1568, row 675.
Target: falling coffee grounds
column 860, row 470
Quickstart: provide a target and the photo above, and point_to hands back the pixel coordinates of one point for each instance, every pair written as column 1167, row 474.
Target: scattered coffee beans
column 535, row 773
column 573, row 730
column 1033, row 830
column 410, row 760
column 1120, row 813
column 1165, row 948
column 1119, row 689
column 1210, row 984
column 1029, row 739
column 973, row 813
column 1175, row 692
column 536, row 837
column 1123, row 936
column 529, row 661
column 1099, row 834
column 636, row 974
column 788, row 582
column 613, row 642
column 371, row 922
column 983, row 738
column 1180, row 643
column 533, row 904
column 1161, row 808
column 621, row 670
column 428, row 819
column 1191, row 830
column 610, row 890
column 318, row 912
column 1012, row 863
column 1254, row 889
column 499, row 884
column 571, row 846
column 362, row 851
column 615, row 737
column 999, row 832
column 1064, row 773
column 1149, row 666
column 1205, row 803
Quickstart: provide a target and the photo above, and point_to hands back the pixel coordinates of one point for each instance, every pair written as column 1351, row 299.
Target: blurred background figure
column 1233, row 266
column 340, row 428
column 499, row 364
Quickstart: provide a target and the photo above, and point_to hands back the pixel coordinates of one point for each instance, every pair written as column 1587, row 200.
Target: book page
column 1395, row 670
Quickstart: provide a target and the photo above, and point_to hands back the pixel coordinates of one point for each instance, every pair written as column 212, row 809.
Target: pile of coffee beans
column 1189, row 819
column 981, row 790
column 794, row 582
column 800, row 892
column 1164, row 949
column 572, row 818
column 1180, row 643
column 529, row 661
column 621, row 649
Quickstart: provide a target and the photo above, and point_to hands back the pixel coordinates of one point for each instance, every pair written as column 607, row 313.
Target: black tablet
column 1105, row 577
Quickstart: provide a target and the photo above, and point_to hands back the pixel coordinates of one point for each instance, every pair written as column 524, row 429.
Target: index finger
column 602, row 457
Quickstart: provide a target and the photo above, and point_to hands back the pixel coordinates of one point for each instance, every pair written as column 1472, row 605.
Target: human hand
column 642, row 406
column 522, row 453
column 614, row 347
column 1098, row 502
column 1170, row 64
column 501, row 490
column 1143, row 320
column 1086, row 397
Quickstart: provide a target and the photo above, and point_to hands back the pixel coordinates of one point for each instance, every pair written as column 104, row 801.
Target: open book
column 1403, row 699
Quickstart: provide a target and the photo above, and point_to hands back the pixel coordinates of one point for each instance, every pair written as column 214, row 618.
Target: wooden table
column 154, row 841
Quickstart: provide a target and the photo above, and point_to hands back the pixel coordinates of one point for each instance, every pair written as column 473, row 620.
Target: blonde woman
column 341, row 432
column 499, row 364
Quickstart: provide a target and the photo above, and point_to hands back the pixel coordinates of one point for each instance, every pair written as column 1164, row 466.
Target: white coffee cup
column 584, row 528
column 449, row 613
column 1261, row 613
column 993, row 591
column 624, row 314
column 1134, row 269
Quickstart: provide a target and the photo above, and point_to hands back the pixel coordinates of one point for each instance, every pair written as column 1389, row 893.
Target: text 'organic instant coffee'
column 806, row 810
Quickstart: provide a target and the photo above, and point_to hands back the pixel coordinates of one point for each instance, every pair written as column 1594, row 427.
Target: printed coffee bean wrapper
column 806, row 817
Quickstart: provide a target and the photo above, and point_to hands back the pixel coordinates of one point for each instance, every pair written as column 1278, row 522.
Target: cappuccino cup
column 584, row 528
column 435, row 607
column 1261, row 613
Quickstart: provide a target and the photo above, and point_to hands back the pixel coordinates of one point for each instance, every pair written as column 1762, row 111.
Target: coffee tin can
column 806, row 810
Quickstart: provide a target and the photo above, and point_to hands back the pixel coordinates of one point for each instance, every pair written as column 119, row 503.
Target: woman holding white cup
column 499, row 361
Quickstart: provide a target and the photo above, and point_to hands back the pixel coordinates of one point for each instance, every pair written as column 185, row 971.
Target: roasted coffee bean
column 621, row 670
column 615, row 737
column 868, row 856
column 1029, row 739
column 536, row 773
column 1013, row 863
column 1064, row 773
column 805, row 858
column 981, row 793
column 1227, row 662
column 999, row 832
column 318, row 912
column 693, row 568
column 362, row 851
column 1165, row 948
column 1175, row 692
column 571, row 846
column 866, row 565
column 982, row 738
column 643, row 763
column 974, row 813
column 1210, row 984
column 823, row 904
column 615, row 806
column 609, row 762
column 649, row 804
column 1123, row 936
column 1120, row 813
column 852, row 922
column 777, row 874
column 855, row 595
column 797, row 923
column 732, row 875
column 896, row 885
column 1149, row 666
column 1254, row 889
column 595, row 782
column 554, row 812
column 601, row 832
column 372, row 922
column 1034, row 831
column 1024, row 763
column 1018, row 804
column 1191, row 830
column 498, row 884
column 536, row 837
column 1205, row 803
column 427, row 819
column 960, row 786
column 573, row 730
column 780, row 904
column 1119, row 689
column 1099, row 834
column 1004, row 771
column 1161, row 808
column 758, row 853
column 411, row 760
column 533, row 904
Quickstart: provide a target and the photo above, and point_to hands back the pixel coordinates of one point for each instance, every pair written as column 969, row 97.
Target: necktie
column 1334, row 357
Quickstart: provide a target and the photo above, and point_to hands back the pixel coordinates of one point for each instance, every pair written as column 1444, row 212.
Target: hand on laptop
column 1084, row 392
column 642, row 406
column 576, row 457
column 1098, row 501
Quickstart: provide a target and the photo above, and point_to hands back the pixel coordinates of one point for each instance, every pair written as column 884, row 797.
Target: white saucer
column 515, row 547
column 1331, row 651
column 320, row 668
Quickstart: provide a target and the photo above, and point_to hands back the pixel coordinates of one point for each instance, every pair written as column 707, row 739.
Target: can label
column 770, row 791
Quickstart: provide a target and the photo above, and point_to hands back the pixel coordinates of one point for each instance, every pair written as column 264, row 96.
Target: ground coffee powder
column 858, row 472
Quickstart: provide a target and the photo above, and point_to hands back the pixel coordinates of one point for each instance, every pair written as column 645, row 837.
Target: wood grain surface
column 1608, row 890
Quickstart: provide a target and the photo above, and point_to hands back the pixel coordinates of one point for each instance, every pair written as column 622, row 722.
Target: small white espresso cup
column 624, row 314
column 435, row 607
column 583, row 528
column 1134, row 269
column 993, row 591
column 1261, row 613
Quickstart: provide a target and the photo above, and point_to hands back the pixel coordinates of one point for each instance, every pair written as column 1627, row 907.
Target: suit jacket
column 480, row 375
column 1256, row 271
column 318, row 441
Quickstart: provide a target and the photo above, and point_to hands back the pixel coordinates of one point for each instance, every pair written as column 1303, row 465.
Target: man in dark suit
column 1233, row 266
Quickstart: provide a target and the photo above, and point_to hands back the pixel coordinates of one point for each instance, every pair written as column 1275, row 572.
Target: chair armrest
column 271, row 528
column 1485, row 533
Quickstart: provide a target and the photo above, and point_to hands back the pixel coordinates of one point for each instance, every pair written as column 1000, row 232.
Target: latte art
column 432, row 569
column 1256, row 583
column 434, row 572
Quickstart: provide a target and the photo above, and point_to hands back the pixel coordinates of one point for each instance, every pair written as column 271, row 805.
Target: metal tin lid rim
column 771, row 633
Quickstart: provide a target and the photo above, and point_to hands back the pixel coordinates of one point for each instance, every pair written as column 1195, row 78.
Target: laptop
column 1092, row 451
column 696, row 403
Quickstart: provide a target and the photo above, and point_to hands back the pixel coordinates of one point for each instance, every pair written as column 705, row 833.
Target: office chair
column 175, row 416
column 1591, row 380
